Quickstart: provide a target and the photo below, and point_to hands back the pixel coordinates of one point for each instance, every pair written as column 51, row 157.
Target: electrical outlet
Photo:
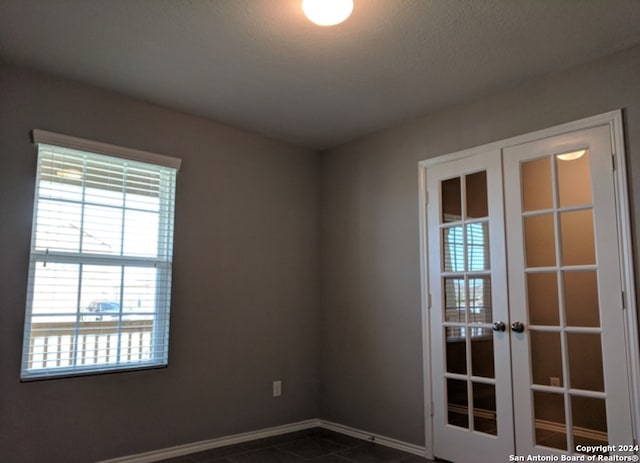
column 554, row 381
column 277, row 388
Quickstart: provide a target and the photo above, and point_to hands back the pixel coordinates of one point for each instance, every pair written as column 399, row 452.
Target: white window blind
column 100, row 267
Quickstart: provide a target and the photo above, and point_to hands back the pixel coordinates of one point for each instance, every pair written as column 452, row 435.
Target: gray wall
column 370, row 332
column 248, row 235
column 245, row 292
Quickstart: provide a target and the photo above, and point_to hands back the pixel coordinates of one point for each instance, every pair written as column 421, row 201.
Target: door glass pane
column 484, row 408
column 574, row 181
column 456, row 349
column 476, row 193
column 454, row 299
column 542, row 298
column 451, row 200
column 453, row 249
column 585, row 361
column 482, row 352
column 550, row 420
column 536, row 185
column 539, row 241
column 480, row 300
column 589, row 421
column 457, row 403
column 477, row 246
column 581, row 298
column 546, row 359
column 577, row 238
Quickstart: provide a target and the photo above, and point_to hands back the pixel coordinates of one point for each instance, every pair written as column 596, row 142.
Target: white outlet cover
column 277, row 388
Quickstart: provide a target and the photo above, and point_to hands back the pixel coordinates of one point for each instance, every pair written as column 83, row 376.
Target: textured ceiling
column 259, row 65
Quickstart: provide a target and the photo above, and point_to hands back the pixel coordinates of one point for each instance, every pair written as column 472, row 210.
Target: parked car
column 102, row 310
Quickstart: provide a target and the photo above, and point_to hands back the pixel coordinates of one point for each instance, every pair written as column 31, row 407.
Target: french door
column 527, row 333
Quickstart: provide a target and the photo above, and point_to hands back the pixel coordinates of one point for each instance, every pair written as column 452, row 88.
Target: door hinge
column 613, row 161
column 429, row 301
column 426, row 198
column 624, row 304
column 431, row 411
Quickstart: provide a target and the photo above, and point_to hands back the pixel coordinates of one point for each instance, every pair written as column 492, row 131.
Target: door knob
column 517, row 327
column 498, row 326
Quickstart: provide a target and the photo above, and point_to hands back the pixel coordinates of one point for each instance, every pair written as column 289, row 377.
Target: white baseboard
column 186, row 449
column 372, row 437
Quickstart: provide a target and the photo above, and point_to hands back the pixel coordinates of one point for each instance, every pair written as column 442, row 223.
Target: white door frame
column 614, row 121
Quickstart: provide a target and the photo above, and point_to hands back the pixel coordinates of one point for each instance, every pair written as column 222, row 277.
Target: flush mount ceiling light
column 327, row 12
column 572, row 156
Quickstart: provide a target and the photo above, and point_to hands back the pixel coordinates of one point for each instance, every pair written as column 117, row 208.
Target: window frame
column 167, row 168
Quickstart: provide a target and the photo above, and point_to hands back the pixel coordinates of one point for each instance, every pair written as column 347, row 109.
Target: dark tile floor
column 314, row 445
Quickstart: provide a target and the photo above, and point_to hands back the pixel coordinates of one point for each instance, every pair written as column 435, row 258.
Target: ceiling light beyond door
column 327, row 12
column 572, row 155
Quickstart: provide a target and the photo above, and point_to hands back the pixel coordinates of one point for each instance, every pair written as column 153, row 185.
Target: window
column 101, row 251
